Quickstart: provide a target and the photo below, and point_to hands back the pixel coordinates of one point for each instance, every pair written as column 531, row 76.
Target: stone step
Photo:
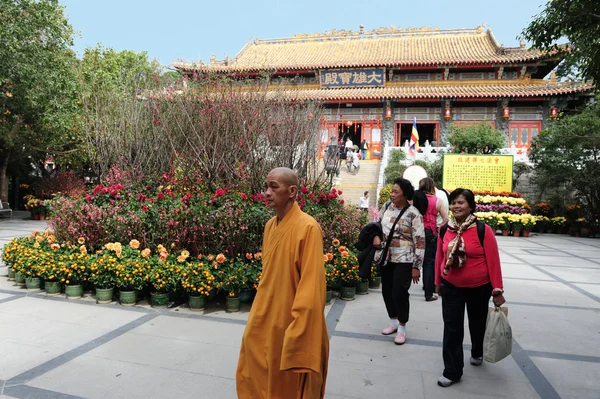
column 353, row 186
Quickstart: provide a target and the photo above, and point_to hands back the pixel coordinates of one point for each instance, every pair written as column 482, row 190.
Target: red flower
column 220, row 192
column 113, row 193
column 160, row 196
column 304, row 190
column 88, row 198
column 243, row 196
column 145, row 208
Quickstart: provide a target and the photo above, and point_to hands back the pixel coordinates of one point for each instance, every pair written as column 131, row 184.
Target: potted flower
column 73, row 268
column 165, row 277
column 504, row 225
column 103, row 274
column 331, row 276
column 49, row 268
column 198, row 281
column 528, row 221
column 375, row 280
column 558, row 223
column 232, row 281
column 132, row 271
column 516, row 224
column 543, row 209
column 346, row 265
column 250, row 276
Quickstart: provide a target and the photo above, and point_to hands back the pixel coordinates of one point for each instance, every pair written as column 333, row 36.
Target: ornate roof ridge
column 391, row 31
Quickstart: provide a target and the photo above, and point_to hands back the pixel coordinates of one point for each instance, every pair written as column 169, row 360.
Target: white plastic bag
column 497, row 342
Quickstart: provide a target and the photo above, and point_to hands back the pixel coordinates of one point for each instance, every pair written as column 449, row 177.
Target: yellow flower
column 36, row 245
column 335, row 242
column 135, row 244
column 220, row 258
column 185, row 253
column 109, row 246
column 81, row 240
column 181, row 259
column 145, row 252
column 82, row 249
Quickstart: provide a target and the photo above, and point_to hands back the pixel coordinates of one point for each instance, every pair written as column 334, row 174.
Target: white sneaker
column 476, row 361
column 445, row 382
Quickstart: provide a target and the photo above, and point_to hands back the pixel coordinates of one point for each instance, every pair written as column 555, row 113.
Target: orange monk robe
column 285, row 347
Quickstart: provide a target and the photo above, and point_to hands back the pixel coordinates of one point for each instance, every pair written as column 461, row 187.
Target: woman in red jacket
column 466, row 273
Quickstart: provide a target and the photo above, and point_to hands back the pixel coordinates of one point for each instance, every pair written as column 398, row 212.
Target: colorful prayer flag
column 413, row 147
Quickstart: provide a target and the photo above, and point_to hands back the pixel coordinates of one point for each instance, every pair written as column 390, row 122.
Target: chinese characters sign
column 478, row 172
column 364, row 77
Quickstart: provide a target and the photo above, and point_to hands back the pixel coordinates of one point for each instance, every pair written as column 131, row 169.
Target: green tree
column 579, row 22
column 37, row 81
column 395, row 167
column 474, row 139
column 567, row 154
column 114, row 120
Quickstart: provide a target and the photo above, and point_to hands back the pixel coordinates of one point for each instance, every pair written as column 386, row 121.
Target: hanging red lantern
column 553, row 112
column 506, row 112
column 349, row 123
column 388, row 113
column 447, row 113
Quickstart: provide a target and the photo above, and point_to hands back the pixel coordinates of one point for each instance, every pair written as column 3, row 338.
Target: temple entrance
column 427, row 131
column 350, row 130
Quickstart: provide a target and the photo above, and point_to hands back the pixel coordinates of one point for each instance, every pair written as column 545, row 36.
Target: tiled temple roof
column 391, row 47
column 435, row 90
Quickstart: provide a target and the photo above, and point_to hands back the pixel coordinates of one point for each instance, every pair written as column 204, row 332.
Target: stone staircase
column 353, row 186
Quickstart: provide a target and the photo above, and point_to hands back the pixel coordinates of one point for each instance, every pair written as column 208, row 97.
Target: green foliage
column 384, row 195
column 579, row 22
column 567, row 154
column 474, row 139
column 395, row 168
column 37, row 81
column 436, row 171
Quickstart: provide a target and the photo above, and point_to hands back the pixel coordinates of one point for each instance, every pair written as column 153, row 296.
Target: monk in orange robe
column 285, row 347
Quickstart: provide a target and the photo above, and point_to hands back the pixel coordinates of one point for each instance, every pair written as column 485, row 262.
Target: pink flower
column 88, row 198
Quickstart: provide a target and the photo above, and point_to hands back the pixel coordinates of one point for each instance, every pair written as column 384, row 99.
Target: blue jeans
column 364, row 154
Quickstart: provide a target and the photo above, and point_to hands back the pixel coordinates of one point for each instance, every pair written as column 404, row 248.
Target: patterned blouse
column 408, row 242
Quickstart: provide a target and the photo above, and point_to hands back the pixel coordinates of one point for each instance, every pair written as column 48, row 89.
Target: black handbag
column 383, row 259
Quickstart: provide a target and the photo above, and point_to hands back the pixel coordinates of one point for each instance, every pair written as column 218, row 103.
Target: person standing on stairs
column 363, row 202
column 363, row 148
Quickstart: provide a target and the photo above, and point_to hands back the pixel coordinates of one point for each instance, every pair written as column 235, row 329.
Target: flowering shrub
column 499, row 200
column 504, row 208
column 543, row 209
column 498, row 194
column 345, row 264
column 197, row 278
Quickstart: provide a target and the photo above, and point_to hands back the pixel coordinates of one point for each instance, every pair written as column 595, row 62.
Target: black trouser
column 453, row 312
column 429, row 263
column 395, row 283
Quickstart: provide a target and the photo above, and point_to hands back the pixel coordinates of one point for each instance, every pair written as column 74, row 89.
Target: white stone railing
column 431, row 154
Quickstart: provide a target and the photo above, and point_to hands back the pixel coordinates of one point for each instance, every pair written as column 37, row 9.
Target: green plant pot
column 104, row 295
column 375, row 282
column 246, row 296
column 74, row 291
column 336, row 286
column 347, row 293
column 362, row 288
column 11, row 274
column 127, row 298
column 232, row 304
column 328, row 295
column 159, row 299
column 19, row 278
column 197, row 302
column 52, row 287
column 32, row 283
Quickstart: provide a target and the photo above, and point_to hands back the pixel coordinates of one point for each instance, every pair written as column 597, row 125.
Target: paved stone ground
column 51, row 347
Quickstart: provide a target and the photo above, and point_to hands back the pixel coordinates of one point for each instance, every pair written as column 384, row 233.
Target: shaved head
column 285, row 175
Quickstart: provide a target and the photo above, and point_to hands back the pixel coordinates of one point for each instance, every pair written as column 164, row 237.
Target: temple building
column 374, row 83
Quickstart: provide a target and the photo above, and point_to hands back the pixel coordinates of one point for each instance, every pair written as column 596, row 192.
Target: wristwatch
column 497, row 291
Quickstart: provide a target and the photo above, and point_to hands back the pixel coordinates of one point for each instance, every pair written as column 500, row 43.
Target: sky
column 191, row 30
